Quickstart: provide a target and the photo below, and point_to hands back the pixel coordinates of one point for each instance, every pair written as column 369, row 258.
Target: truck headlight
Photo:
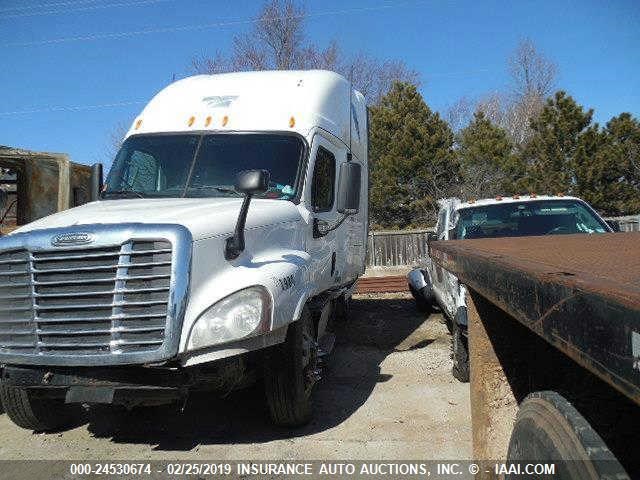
column 241, row 314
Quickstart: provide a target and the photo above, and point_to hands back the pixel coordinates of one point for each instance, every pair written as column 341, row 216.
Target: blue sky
column 459, row 48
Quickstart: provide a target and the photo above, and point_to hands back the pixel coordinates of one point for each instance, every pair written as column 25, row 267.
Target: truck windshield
column 197, row 165
column 545, row 217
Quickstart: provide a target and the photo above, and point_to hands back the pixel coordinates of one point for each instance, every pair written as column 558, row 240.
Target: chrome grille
column 90, row 301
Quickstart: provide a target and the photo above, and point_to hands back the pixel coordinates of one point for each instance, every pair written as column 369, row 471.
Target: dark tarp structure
column 40, row 184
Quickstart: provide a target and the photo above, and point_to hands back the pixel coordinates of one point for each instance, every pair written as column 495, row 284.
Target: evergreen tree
column 608, row 166
column 487, row 163
column 412, row 158
column 549, row 155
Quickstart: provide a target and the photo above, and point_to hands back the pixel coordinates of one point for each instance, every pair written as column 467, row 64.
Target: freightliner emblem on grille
column 65, row 239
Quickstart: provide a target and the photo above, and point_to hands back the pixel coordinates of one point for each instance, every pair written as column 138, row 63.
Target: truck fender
column 305, row 295
column 284, row 274
column 416, row 279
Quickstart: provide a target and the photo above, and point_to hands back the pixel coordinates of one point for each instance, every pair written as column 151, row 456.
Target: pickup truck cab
column 229, row 231
column 516, row 216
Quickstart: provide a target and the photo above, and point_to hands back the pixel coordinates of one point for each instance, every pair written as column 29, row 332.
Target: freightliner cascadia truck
column 226, row 240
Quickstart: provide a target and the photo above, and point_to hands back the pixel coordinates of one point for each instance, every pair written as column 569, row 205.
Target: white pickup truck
column 229, row 233
column 516, row 216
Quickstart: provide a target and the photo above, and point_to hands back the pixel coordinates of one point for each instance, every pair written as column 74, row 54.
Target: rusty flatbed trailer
column 580, row 295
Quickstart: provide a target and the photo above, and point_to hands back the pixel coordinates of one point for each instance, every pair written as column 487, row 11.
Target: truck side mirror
column 249, row 182
column 432, row 237
column 96, row 181
column 252, row 182
column 349, row 188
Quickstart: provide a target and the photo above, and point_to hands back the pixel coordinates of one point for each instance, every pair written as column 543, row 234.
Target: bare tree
column 210, row 65
column 460, row 113
column 532, row 74
column 374, row 78
column 277, row 41
column 533, row 78
column 112, row 144
column 328, row 59
column 481, row 181
column 494, row 106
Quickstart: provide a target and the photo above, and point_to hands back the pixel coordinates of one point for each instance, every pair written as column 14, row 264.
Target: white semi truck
column 229, row 233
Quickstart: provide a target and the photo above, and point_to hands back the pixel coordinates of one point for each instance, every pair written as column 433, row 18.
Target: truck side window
column 324, row 176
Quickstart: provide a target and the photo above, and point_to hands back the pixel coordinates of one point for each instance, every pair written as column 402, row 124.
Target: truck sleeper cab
column 230, row 227
column 534, row 215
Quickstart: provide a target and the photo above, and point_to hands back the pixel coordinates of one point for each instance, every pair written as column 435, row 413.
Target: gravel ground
column 387, row 394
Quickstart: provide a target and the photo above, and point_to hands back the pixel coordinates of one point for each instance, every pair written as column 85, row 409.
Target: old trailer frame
column 580, row 293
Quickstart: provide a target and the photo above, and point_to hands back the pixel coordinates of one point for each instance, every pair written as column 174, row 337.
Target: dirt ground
column 387, row 393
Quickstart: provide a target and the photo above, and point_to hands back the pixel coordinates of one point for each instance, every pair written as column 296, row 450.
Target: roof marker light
column 292, row 122
column 560, row 194
column 533, row 195
column 499, row 198
column 516, row 197
column 207, row 122
column 192, row 119
column 138, row 123
column 225, row 120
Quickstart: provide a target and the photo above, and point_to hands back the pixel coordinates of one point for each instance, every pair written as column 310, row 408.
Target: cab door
column 328, row 250
column 445, row 283
column 356, row 227
column 438, row 276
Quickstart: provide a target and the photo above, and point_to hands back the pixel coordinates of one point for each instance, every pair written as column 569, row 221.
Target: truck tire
column 423, row 303
column 549, row 428
column 39, row 414
column 460, row 353
column 290, row 374
column 342, row 309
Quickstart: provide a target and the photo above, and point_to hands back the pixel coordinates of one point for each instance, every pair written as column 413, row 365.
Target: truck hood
column 204, row 217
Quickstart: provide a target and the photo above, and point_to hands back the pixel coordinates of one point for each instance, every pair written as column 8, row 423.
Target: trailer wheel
column 290, row 374
column 460, row 351
column 39, row 414
column 549, row 428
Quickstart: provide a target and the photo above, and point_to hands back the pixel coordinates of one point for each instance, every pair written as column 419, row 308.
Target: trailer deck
column 580, row 294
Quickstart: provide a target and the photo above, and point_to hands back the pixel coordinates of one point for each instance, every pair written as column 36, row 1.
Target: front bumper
column 123, row 386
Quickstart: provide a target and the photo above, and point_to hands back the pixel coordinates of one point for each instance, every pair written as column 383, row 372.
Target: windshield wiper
column 123, row 193
column 219, row 188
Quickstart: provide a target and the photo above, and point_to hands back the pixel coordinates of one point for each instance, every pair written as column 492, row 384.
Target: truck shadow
column 377, row 327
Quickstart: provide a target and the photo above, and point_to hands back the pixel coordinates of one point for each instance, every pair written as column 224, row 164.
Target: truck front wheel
column 423, row 298
column 28, row 411
column 548, row 428
column 291, row 370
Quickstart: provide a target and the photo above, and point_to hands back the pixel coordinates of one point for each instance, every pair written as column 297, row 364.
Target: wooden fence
column 629, row 223
column 397, row 248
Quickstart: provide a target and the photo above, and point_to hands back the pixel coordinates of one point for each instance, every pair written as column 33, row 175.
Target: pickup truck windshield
column 545, row 217
column 197, row 165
